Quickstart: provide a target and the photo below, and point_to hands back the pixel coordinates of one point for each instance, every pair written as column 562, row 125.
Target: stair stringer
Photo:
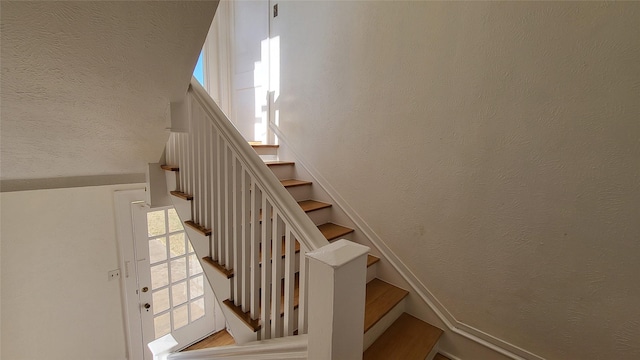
column 459, row 339
column 220, row 284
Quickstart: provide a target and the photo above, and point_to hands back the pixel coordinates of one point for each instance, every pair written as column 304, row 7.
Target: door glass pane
column 180, row 316
column 194, row 266
column 197, row 309
column 162, row 324
column 155, row 223
column 157, row 249
column 177, row 244
column 177, row 279
column 160, row 300
column 159, row 276
column 196, row 287
column 178, row 269
column 179, row 293
column 174, row 221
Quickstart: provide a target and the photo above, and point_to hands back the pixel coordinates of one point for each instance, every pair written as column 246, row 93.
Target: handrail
column 294, row 347
column 308, row 233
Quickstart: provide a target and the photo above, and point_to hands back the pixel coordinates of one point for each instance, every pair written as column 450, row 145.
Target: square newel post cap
column 338, row 253
column 161, row 347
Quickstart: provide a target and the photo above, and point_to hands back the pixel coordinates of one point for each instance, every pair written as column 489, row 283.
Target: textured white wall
column 86, row 85
column 495, row 147
column 57, row 247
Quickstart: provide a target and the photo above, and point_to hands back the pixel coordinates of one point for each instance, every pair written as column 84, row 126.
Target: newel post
column 337, row 283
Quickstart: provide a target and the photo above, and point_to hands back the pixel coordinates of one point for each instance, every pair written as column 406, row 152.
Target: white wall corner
column 180, row 111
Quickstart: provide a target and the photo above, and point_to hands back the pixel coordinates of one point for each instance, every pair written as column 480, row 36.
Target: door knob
column 147, row 306
column 145, row 289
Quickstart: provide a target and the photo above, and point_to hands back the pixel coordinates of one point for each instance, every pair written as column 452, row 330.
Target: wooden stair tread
column 440, row 357
column 306, row 206
column 294, row 182
column 380, row 298
column 170, row 167
column 372, row 260
column 255, row 324
column 181, row 195
column 408, row 338
column 257, row 145
column 199, row 228
column 244, row 316
column 226, row 272
column 332, row 231
column 312, row 205
column 278, row 163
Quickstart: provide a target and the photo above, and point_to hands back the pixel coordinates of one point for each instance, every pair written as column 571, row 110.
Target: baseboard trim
column 460, row 328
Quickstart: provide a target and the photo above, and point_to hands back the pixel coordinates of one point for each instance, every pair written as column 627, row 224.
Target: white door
column 175, row 297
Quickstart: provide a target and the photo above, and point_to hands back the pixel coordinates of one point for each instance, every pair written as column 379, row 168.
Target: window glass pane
column 197, row 309
column 180, row 317
column 198, row 72
column 162, row 324
column 159, row 276
column 174, row 221
column 194, row 265
column 178, row 269
column 157, row 249
column 179, row 293
column 195, row 286
column 155, row 223
column 160, row 300
column 177, row 244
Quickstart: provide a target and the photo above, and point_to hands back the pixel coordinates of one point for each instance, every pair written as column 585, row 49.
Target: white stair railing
column 252, row 217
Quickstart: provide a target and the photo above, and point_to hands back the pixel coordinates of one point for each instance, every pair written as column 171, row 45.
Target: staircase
column 240, row 217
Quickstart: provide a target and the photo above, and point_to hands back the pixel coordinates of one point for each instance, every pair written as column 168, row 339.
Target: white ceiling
column 86, row 85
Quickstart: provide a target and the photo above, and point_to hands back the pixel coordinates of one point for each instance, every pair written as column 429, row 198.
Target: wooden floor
column 221, row 338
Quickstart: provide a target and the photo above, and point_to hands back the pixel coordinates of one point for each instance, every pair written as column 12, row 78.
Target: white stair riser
column 172, row 180
column 372, row 272
column 300, row 193
column 383, row 324
column 264, row 151
column 321, row 216
column 283, row 172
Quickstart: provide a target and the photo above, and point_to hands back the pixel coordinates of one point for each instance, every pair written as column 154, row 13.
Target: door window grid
column 176, row 275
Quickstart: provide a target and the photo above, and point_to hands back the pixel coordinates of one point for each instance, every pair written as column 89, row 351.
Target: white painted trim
column 292, row 347
column 10, row 185
column 467, row 331
column 126, row 259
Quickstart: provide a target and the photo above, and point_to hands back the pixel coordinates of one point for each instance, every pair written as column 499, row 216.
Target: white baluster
column 183, row 164
column 276, row 273
column 237, row 229
column 267, row 245
column 228, row 207
column 303, row 295
column 246, row 240
column 220, row 198
column 256, row 204
column 213, row 193
column 289, row 281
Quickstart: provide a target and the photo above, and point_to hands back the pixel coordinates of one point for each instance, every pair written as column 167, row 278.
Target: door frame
column 128, row 274
column 124, row 202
